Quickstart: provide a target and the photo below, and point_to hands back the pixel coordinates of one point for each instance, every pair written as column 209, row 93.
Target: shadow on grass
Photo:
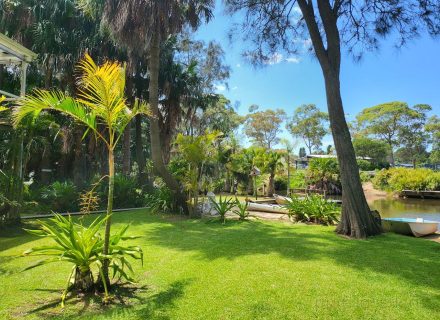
column 129, row 302
column 415, row 261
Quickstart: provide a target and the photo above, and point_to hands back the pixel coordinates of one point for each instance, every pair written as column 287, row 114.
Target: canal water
column 409, row 208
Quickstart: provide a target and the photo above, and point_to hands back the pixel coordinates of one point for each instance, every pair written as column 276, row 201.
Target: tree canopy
column 308, row 123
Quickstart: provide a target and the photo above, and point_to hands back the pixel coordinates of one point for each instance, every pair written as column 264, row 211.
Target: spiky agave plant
column 100, row 104
column 83, row 246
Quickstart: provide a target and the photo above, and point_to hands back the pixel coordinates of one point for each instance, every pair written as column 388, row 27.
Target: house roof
column 12, row 52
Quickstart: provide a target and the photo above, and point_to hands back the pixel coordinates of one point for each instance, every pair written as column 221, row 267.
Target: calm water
column 410, row 208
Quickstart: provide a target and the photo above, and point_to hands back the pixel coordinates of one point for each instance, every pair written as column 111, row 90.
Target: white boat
column 281, row 199
column 418, row 227
column 263, row 207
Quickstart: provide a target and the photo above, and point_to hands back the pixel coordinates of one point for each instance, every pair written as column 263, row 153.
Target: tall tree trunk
column 156, row 150
column 356, row 219
column 126, row 150
column 271, row 187
column 140, row 156
column 392, row 161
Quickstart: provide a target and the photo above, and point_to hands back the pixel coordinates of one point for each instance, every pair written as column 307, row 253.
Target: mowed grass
column 198, row 269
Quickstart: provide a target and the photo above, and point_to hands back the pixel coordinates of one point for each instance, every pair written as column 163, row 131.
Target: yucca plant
column 83, row 246
column 241, row 209
column 222, row 207
column 100, row 106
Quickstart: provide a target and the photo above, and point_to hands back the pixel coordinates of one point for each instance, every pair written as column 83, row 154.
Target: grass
column 197, row 269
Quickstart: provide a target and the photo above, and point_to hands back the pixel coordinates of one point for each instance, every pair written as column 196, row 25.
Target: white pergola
column 13, row 53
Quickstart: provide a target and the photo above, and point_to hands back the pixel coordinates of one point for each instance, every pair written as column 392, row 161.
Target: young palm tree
column 100, row 106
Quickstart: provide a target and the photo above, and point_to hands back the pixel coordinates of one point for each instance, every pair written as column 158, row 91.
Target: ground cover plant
column 254, row 270
column 313, row 208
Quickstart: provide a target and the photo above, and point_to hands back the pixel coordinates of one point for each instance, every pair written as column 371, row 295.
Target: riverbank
column 373, row 194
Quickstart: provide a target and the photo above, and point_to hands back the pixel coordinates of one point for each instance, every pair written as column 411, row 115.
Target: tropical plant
column 83, row 247
column 313, row 208
column 60, row 196
column 160, row 200
column 100, row 106
column 241, row 209
column 196, row 151
column 324, row 174
column 222, row 206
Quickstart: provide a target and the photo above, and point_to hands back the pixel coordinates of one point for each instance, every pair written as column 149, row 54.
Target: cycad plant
column 83, row 247
column 100, row 106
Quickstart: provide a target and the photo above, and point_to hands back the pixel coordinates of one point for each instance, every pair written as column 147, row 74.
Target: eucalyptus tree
column 264, row 127
column 325, row 27
column 100, row 104
column 309, row 123
column 141, row 27
column 433, row 128
column 386, row 122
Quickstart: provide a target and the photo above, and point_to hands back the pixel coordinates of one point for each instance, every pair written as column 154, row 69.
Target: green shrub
column 127, row 193
column 160, row 200
column 365, row 165
column 313, row 208
column 59, row 197
column 297, row 179
column 280, row 183
column 82, row 247
column 398, row 179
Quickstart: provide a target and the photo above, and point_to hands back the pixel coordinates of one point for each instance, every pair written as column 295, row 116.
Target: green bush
column 127, row 193
column 398, row 179
column 59, row 197
column 280, row 183
column 365, row 165
column 160, row 200
column 297, row 179
column 313, row 208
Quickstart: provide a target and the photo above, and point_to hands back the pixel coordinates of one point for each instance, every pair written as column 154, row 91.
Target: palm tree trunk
column 111, row 186
column 156, row 150
column 140, row 157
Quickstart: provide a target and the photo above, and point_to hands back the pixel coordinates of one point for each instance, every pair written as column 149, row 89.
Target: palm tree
column 142, row 26
column 100, row 106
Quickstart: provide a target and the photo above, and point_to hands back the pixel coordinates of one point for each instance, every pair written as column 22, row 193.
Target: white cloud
column 292, row 60
column 278, row 58
column 234, row 88
column 220, row 87
column 275, row 59
column 238, row 65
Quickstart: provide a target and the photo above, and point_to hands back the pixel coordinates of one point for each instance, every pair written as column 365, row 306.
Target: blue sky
column 410, row 74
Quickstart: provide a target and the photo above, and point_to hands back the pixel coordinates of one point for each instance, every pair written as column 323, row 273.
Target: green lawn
column 197, row 269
